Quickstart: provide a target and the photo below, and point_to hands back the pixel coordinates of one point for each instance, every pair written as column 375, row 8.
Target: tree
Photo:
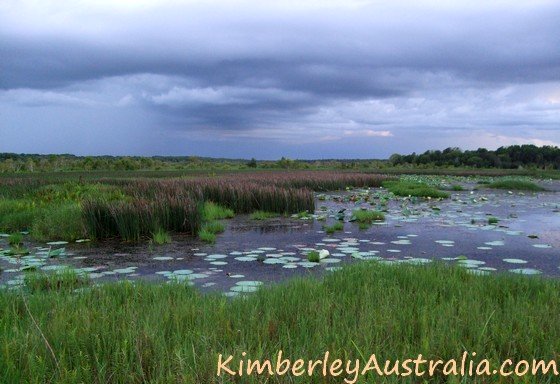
column 252, row 163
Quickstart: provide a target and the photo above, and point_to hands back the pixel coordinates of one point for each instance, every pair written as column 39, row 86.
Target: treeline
column 515, row 156
column 512, row 157
column 14, row 163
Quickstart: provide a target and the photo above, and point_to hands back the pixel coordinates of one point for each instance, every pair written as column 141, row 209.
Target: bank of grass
column 160, row 333
column 410, row 188
column 516, row 185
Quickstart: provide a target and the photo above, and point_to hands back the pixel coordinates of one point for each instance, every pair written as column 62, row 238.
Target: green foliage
column 207, row 236
column 263, row 215
column 367, row 216
column 493, row 220
column 337, row 226
column 66, row 280
column 303, row 215
column 212, row 211
column 160, row 237
column 512, row 157
column 252, row 163
column 313, row 256
column 457, row 188
column 213, row 227
column 512, row 184
column 59, row 222
column 160, row 333
column 15, row 239
column 16, row 215
column 409, row 188
column 131, row 220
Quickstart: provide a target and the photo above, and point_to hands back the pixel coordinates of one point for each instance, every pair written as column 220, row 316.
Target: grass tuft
column 160, row 237
column 15, row 239
column 313, row 256
column 263, row 215
column 493, row 220
column 212, row 211
column 338, row 226
column 367, row 216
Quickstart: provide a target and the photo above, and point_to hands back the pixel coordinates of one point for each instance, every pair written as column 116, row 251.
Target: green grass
column 367, row 216
column 457, row 188
column 518, row 185
column 15, row 239
column 59, row 222
column 66, row 280
column 214, row 227
column 213, row 211
column 263, row 215
column 207, row 236
column 161, row 333
column 493, row 220
column 338, row 226
column 160, row 237
column 410, row 188
column 209, row 230
column 303, row 215
column 313, row 256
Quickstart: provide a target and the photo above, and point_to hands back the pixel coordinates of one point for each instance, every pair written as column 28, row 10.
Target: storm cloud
column 303, row 79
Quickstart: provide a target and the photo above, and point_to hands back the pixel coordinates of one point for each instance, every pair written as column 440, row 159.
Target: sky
column 266, row 79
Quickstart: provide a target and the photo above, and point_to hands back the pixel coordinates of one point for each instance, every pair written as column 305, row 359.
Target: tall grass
column 138, row 333
column 134, row 219
column 135, row 208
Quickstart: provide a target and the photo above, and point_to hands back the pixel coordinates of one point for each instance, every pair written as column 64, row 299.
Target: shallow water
column 415, row 231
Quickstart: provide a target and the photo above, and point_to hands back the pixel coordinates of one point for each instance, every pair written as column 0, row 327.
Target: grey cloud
column 292, row 72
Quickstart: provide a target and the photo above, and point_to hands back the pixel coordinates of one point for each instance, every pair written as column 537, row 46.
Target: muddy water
column 526, row 239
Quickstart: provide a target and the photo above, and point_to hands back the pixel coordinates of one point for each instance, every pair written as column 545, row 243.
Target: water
column 455, row 230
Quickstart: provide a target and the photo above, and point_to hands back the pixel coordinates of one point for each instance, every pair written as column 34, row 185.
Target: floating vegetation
column 543, row 246
column 515, row 261
column 526, row 271
column 496, row 243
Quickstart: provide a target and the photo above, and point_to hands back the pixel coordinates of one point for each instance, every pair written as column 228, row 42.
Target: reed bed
column 132, row 208
column 140, row 217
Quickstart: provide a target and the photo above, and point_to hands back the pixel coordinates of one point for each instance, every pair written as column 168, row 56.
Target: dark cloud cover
column 304, row 79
